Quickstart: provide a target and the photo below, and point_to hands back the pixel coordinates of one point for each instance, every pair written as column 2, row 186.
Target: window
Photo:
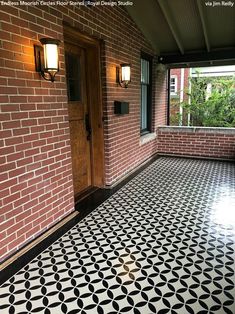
column 173, row 85
column 73, row 73
column 146, row 70
column 205, row 96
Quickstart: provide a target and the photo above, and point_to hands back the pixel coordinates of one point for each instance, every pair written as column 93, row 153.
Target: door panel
column 78, row 117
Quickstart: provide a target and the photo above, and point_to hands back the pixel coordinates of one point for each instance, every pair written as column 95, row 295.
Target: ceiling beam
column 202, row 17
column 218, row 55
column 170, row 21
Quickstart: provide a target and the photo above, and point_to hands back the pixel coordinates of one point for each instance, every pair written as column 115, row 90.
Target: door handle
column 88, row 126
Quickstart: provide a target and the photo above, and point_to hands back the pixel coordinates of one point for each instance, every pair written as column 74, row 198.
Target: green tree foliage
column 218, row 110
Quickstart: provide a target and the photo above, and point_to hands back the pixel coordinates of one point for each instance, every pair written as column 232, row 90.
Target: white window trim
column 176, row 81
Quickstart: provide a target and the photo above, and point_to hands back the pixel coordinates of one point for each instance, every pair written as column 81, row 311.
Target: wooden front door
column 85, row 110
column 79, row 117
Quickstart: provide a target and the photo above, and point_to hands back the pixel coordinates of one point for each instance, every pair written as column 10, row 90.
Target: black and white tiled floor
column 164, row 243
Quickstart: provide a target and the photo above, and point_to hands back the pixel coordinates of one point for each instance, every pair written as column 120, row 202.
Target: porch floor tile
column 163, row 243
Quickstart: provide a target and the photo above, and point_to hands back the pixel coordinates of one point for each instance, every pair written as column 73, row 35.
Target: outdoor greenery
column 214, row 110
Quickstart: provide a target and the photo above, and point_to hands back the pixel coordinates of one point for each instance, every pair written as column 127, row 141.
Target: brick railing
column 196, row 141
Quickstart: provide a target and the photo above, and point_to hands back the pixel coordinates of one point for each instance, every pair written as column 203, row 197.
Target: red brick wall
column 175, row 100
column 177, row 73
column 123, row 151
column 123, row 148
column 35, row 164
column 198, row 142
column 160, row 99
column 35, row 168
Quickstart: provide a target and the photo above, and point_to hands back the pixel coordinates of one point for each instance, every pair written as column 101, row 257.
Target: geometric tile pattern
column 164, row 243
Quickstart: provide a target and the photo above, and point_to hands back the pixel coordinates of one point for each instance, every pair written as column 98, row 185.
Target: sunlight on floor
column 224, row 211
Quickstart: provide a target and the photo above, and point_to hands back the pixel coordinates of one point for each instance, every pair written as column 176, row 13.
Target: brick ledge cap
column 144, row 139
column 193, row 129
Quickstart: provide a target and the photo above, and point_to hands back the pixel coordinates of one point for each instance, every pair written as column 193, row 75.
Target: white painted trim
column 189, row 90
column 181, row 94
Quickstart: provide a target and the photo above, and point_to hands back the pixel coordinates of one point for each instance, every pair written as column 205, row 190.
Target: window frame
column 147, row 130
column 175, row 86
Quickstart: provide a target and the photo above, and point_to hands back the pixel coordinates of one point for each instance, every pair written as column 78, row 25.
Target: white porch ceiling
column 188, row 28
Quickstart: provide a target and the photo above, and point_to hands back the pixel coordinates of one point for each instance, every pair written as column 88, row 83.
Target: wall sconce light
column 47, row 59
column 124, row 74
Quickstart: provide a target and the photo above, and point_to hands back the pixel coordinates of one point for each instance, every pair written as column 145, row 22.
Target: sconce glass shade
column 49, row 60
column 51, row 57
column 125, row 75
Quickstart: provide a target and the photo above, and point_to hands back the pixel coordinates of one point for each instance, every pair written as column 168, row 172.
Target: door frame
column 92, row 47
